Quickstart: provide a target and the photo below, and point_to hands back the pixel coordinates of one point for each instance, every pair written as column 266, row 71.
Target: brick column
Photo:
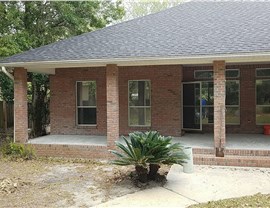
column 112, row 104
column 20, row 105
column 219, row 107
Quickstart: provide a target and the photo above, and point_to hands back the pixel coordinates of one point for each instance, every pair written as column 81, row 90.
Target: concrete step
column 232, row 160
column 235, row 152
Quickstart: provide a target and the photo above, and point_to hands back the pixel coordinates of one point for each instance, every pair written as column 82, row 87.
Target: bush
column 146, row 151
column 15, row 150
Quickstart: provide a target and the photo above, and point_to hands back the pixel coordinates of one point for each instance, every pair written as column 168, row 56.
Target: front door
column 192, row 109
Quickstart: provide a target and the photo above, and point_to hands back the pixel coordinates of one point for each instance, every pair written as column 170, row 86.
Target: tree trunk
column 38, row 110
column 142, row 173
column 153, row 170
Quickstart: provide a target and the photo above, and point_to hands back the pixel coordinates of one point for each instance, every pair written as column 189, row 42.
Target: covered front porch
column 194, row 140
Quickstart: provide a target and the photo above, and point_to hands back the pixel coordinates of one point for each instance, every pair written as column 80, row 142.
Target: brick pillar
column 20, row 105
column 219, row 107
column 112, row 104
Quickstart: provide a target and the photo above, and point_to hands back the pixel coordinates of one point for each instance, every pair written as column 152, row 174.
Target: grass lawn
column 256, row 201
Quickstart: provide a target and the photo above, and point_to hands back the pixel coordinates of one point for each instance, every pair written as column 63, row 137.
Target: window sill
column 86, row 126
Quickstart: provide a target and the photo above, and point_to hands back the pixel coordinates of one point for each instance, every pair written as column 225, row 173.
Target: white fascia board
column 49, row 66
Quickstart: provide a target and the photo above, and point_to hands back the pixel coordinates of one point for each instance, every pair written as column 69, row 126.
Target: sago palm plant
column 148, row 149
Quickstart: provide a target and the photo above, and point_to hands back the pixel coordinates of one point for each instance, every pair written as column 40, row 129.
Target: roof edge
column 37, row 66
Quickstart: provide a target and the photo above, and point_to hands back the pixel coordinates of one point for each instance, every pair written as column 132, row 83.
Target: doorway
column 192, row 106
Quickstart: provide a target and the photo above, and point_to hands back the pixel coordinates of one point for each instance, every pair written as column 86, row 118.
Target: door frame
column 182, row 104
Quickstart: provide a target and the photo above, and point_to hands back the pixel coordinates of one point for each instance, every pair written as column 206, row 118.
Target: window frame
column 77, row 107
column 232, row 78
column 266, row 78
column 144, row 107
column 204, row 70
column 239, row 99
column 261, row 77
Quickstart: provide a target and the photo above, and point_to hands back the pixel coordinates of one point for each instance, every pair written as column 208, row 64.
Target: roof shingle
column 192, row 28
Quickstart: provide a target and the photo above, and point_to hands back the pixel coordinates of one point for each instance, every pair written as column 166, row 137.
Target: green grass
column 255, row 201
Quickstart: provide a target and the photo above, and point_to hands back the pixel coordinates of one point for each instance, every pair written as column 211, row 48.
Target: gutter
column 4, row 70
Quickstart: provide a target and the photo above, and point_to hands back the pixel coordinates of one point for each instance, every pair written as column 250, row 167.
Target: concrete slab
column 209, row 183
column 233, row 141
column 156, row 197
column 71, row 140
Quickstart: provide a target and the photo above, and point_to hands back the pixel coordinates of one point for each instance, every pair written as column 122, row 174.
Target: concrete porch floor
column 234, row 141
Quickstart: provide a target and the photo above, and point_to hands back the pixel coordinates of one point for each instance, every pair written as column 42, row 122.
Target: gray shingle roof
column 193, row 28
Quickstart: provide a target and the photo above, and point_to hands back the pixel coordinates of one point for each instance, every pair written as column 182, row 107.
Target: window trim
column 77, row 107
column 232, row 77
column 239, row 100
column 267, row 79
column 261, row 77
column 204, row 70
column 150, row 106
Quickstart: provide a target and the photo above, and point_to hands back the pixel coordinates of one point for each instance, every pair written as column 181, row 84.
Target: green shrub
column 147, row 151
column 15, row 150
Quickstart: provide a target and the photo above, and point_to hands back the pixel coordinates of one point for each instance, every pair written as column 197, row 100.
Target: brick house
column 199, row 67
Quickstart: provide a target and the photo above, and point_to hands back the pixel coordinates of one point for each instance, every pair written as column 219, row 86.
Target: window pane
column 87, row 116
column 207, row 115
column 232, row 93
column 139, row 93
column 263, row 72
column 203, row 74
column 262, row 115
column 233, row 73
column 232, row 115
column 207, row 93
column 140, row 117
column 263, row 92
column 86, row 93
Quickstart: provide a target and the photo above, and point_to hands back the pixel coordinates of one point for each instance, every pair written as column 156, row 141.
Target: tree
column 138, row 8
column 31, row 24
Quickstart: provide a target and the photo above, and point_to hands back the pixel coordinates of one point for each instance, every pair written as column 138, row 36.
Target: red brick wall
column 247, row 97
column 219, row 103
column 63, row 100
column 20, row 105
column 112, row 85
column 165, row 97
column 165, row 94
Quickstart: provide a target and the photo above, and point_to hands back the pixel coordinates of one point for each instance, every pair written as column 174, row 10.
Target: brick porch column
column 20, row 105
column 112, row 104
column 219, row 107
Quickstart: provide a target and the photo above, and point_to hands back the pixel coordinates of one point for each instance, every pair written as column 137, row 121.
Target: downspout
column 4, row 70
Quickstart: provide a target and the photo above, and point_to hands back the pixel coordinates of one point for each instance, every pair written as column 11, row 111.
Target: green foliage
column 6, row 88
column 160, row 148
column 15, row 150
column 30, row 24
column 134, row 153
column 138, row 8
column 148, row 149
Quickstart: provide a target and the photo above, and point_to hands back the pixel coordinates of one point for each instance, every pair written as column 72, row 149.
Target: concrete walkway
column 207, row 183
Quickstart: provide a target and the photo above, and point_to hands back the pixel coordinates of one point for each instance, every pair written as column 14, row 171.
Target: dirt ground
column 63, row 183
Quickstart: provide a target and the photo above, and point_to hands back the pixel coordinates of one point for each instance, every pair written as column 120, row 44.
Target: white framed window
column 86, row 103
column 232, row 73
column 209, row 74
column 232, row 102
column 263, row 101
column 203, row 74
column 263, row 72
column 139, row 102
